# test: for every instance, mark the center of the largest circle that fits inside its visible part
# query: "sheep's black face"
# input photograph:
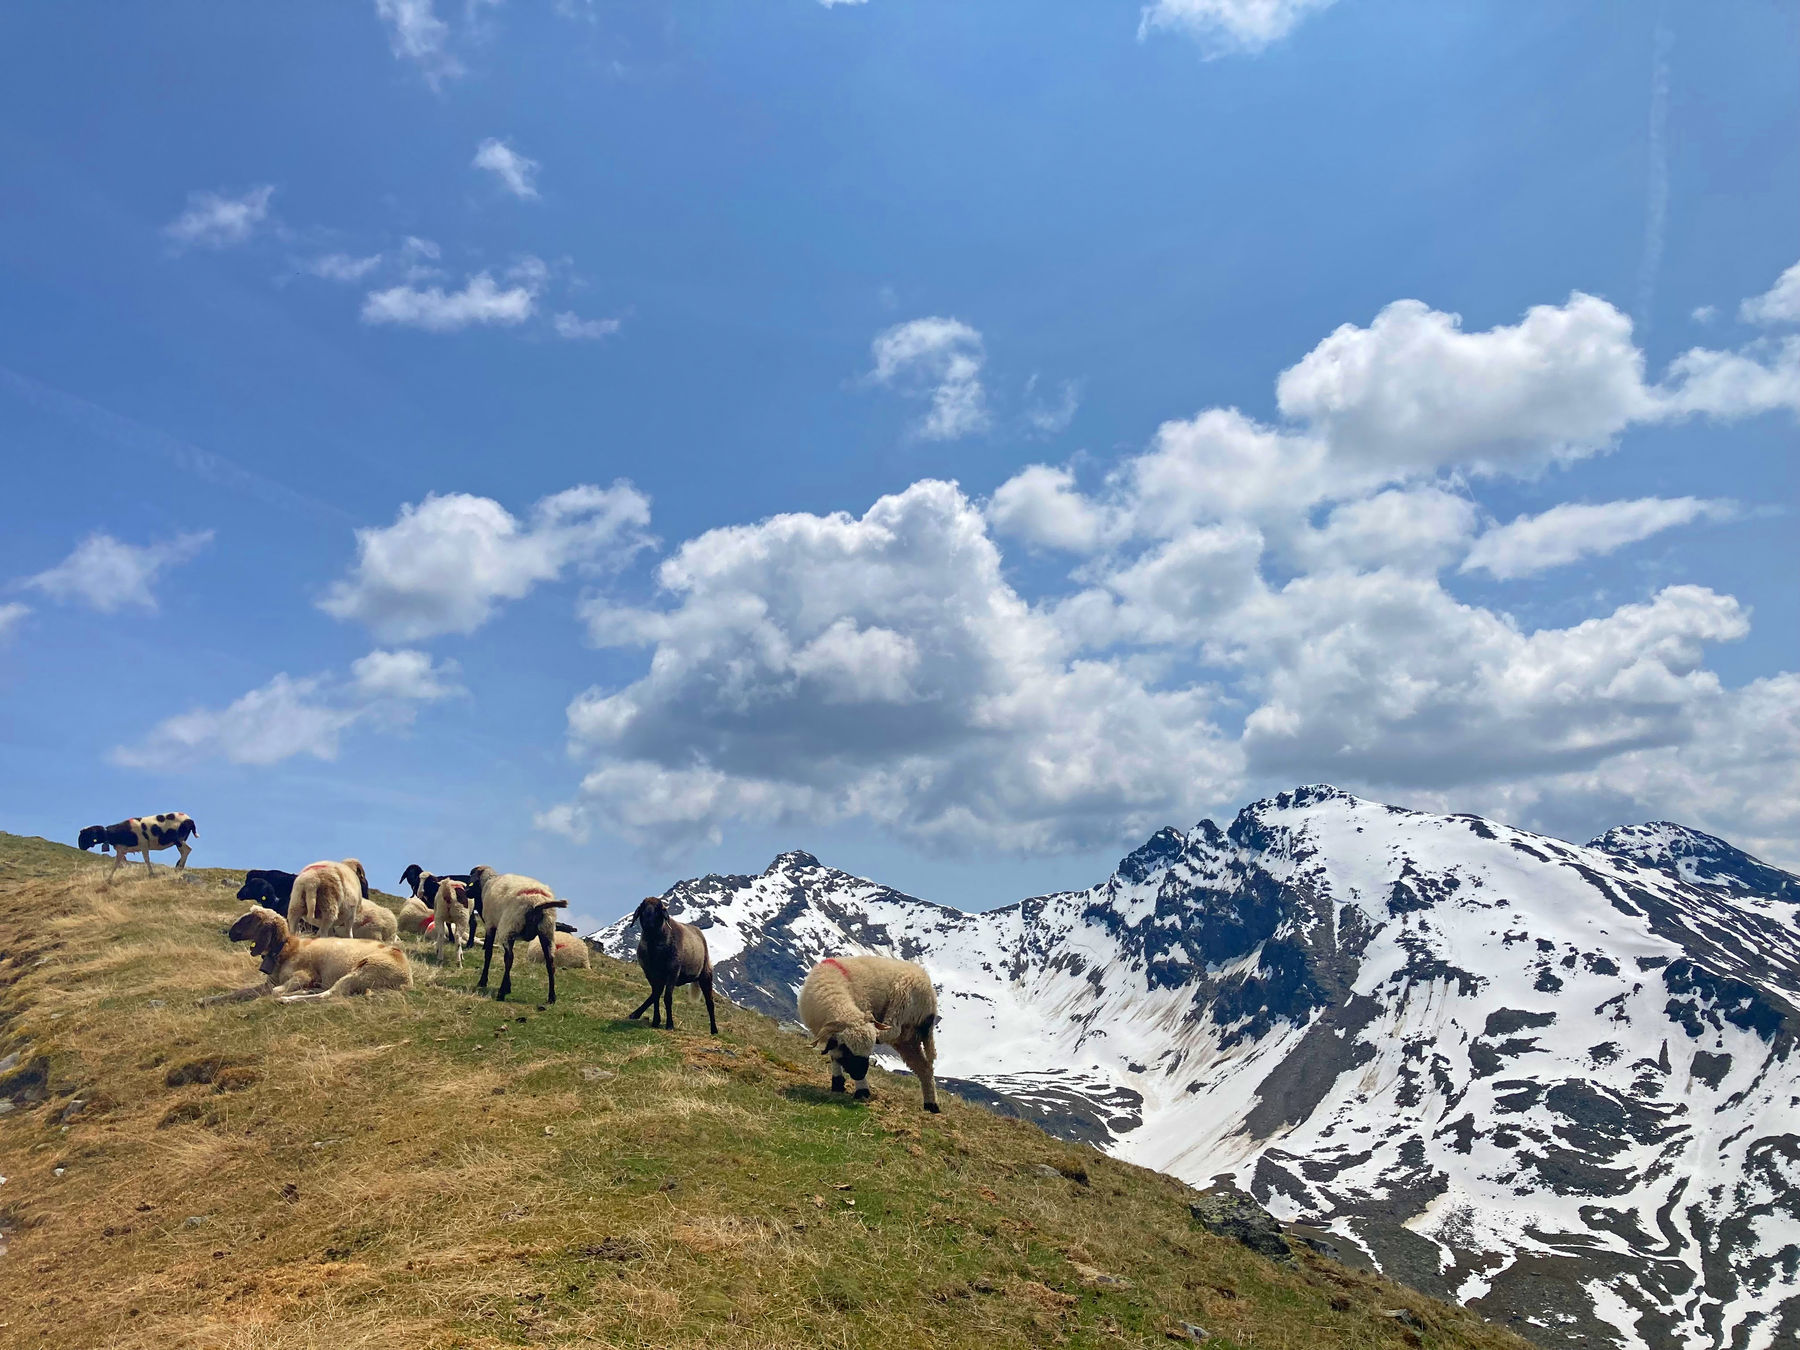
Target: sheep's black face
(410, 877)
(855, 1066)
(651, 917)
(92, 835)
(247, 927)
(254, 889)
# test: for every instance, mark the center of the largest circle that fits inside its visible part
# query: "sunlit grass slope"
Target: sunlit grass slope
(434, 1170)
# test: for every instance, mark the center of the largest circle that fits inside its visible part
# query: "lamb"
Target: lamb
(171, 829)
(424, 884)
(513, 907)
(326, 893)
(268, 887)
(298, 968)
(852, 1003)
(671, 953)
(452, 918)
(571, 952)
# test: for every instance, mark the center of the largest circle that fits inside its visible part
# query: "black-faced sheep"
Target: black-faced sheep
(852, 1003)
(513, 907)
(424, 884)
(268, 887)
(671, 954)
(327, 894)
(296, 968)
(171, 829)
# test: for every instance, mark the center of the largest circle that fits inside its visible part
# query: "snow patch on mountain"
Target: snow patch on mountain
(1554, 1082)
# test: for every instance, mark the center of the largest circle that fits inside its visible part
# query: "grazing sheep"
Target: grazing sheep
(571, 952)
(326, 893)
(851, 1003)
(374, 921)
(452, 918)
(171, 829)
(297, 968)
(269, 888)
(415, 916)
(513, 907)
(670, 954)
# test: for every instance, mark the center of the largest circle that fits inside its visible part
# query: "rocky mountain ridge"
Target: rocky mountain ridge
(1555, 1082)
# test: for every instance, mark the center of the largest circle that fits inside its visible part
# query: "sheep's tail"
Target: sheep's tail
(927, 1037)
(187, 829)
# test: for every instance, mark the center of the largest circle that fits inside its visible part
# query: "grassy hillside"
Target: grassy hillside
(436, 1170)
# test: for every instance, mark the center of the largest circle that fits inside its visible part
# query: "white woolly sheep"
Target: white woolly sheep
(297, 968)
(453, 918)
(376, 922)
(414, 915)
(571, 953)
(513, 907)
(326, 895)
(852, 1003)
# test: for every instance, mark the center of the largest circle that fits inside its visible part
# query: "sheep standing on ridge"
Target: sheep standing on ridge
(453, 918)
(670, 954)
(514, 907)
(852, 1003)
(171, 829)
(327, 894)
(296, 968)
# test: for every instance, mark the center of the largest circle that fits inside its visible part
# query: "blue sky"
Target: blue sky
(619, 441)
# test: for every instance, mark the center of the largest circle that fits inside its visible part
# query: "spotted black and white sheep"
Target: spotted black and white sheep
(327, 895)
(296, 968)
(852, 1003)
(268, 887)
(513, 907)
(671, 954)
(145, 834)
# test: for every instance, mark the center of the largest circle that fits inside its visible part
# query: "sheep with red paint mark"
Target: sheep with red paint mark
(328, 895)
(513, 907)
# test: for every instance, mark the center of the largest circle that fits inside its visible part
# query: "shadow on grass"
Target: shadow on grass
(818, 1096)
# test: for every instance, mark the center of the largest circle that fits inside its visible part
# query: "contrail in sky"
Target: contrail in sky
(1656, 205)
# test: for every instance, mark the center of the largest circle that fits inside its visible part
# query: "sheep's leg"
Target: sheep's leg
(647, 1004)
(669, 1003)
(837, 1076)
(861, 1086)
(243, 995)
(148, 869)
(185, 850)
(506, 972)
(487, 959)
(912, 1053)
(706, 991)
(548, 942)
(118, 861)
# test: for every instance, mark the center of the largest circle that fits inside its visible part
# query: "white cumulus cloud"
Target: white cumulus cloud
(1230, 26)
(288, 717)
(1576, 530)
(480, 301)
(109, 575)
(219, 220)
(517, 173)
(940, 360)
(447, 563)
(416, 34)
(1779, 304)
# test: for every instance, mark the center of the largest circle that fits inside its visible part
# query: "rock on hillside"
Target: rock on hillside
(1555, 1082)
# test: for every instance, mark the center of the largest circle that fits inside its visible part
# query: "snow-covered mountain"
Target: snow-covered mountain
(1557, 1083)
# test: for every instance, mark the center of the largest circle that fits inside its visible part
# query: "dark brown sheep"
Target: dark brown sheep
(671, 954)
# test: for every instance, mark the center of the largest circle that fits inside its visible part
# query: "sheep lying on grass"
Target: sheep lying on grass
(571, 952)
(514, 907)
(415, 914)
(452, 918)
(671, 954)
(376, 922)
(326, 894)
(298, 968)
(852, 1003)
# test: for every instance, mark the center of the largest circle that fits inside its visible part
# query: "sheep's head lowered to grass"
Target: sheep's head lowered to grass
(849, 1045)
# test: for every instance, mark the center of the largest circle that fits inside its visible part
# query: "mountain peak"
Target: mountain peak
(1697, 857)
(1154, 854)
(793, 859)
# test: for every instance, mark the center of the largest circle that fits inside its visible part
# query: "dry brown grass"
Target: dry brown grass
(432, 1170)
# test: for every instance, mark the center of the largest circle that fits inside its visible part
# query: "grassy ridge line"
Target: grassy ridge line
(431, 1169)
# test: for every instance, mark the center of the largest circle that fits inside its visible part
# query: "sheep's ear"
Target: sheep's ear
(880, 1026)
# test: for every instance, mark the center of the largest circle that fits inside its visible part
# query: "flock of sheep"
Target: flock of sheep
(850, 1004)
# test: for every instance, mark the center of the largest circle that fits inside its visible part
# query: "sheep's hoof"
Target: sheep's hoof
(933, 1107)
(837, 1085)
(863, 1094)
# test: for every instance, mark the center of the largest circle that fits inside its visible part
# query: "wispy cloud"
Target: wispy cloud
(1656, 191)
(1048, 417)
(1229, 27)
(940, 359)
(574, 327)
(10, 615)
(219, 220)
(416, 34)
(341, 266)
(1779, 304)
(518, 173)
(108, 575)
(1577, 530)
